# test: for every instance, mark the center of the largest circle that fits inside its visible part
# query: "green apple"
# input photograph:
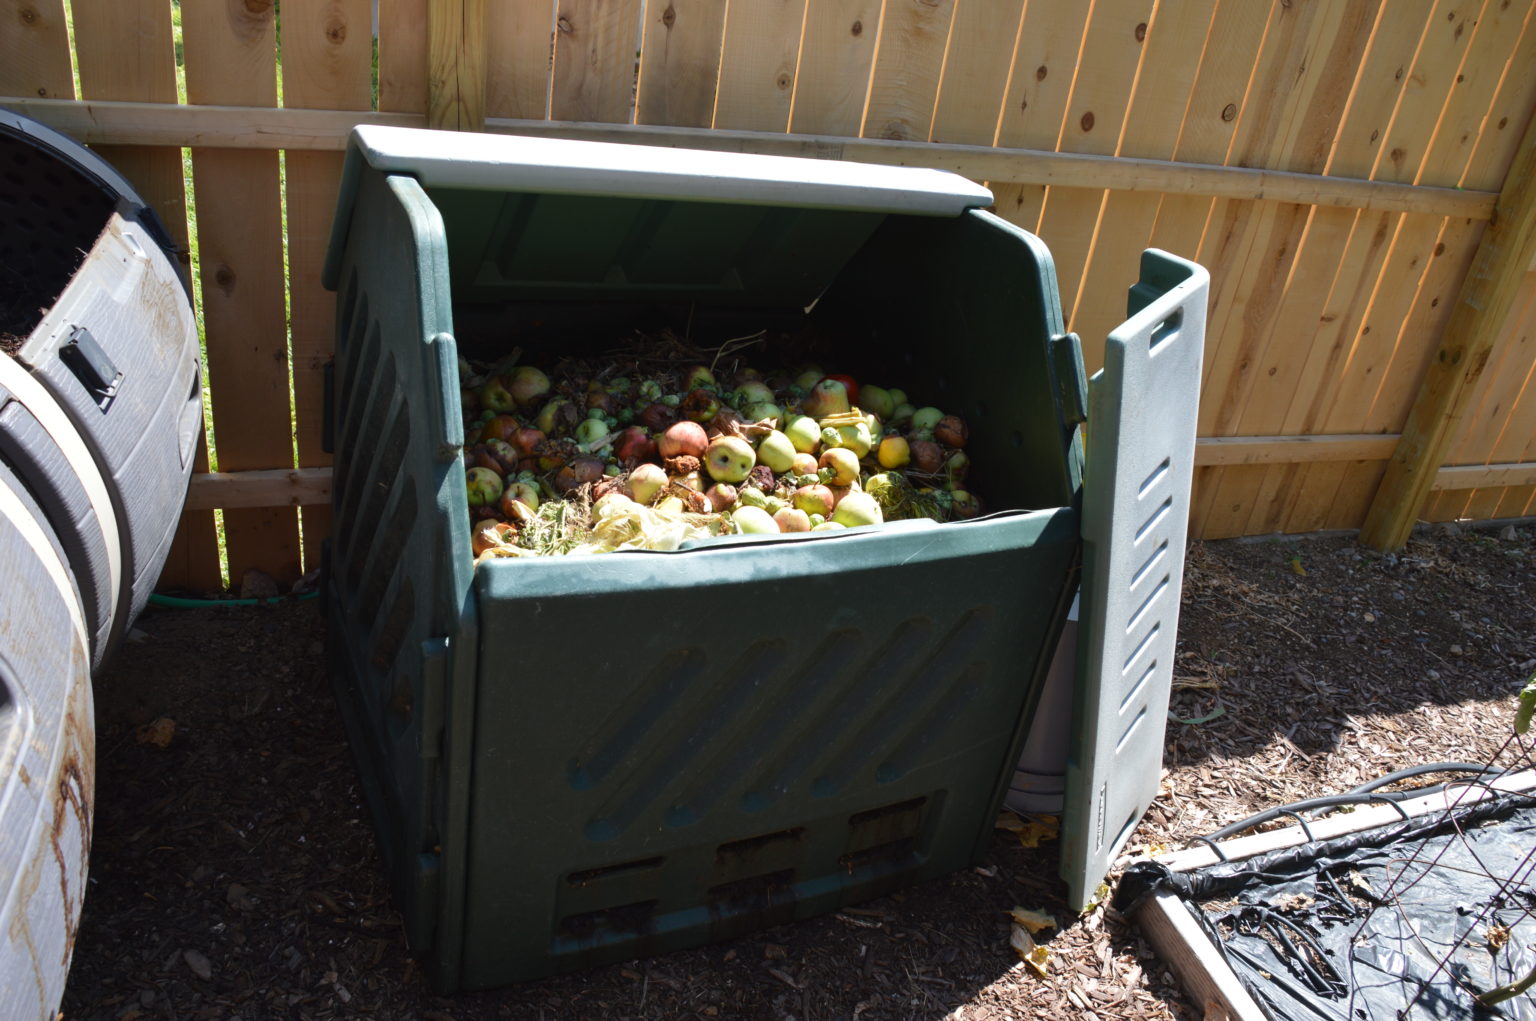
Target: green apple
(483, 487)
(729, 459)
(924, 420)
(804, 432)
(759, 410)
(754, 521)
(646, 481)
(791, 519)
(753, 392)
(877, 400)
(857, 508)
(828, 397)
(844, 464)
(527, 384)
(776, 451)
(590, 431)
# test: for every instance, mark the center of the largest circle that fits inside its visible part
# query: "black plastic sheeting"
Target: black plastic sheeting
(1385, 924)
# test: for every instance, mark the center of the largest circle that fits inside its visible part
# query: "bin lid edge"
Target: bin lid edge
(523, 163)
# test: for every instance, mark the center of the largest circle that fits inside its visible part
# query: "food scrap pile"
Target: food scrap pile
(657, 444)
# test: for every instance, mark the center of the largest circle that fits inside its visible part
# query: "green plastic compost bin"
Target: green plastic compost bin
(577, 760)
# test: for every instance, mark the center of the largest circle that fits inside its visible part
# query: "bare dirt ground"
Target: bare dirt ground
(234, 872)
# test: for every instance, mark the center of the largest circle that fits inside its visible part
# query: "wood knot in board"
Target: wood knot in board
(858, 28)
(1229, 111)
(225, 278)
(784, 80)
(1087, 121)
(27, 15)
(1398, 155)
(669, 16)
(336, 31)
(564, 25)
(1141, 32)
(1041, 72)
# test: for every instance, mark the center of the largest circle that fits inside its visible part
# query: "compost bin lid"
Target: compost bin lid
(552, 219)
(456, 159)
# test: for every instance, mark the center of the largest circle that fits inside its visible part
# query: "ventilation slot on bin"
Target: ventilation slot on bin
(883, 839)
(607, 925)
(588, 876)
(770, 894)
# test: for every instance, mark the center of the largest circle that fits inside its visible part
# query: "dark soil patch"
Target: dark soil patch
(234, 872)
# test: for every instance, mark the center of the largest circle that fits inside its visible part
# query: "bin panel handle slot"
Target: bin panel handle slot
(84, 357)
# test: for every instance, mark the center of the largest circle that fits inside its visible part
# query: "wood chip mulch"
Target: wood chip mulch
(234, 872)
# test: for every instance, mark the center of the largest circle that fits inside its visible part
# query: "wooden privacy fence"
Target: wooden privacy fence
(1334, 163)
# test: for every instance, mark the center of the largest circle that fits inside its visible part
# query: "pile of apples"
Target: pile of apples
(760, 455)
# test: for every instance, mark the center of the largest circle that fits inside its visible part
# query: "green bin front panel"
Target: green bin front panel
(674, 748)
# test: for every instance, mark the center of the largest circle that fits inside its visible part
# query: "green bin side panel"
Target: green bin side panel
(674, 748)
(397, 601)
(1141, 461)
(966, 312)
(516, 245)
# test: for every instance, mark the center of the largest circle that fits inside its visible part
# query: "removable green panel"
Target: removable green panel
(398, 570)
(680, 747)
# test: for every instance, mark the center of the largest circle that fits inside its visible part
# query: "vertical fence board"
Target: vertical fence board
(1357, 148)
(231, 58)
(1298, 264)
(34, 50)
(1251, 244)
(680, 62)
(1176, 37)
(1345, 332)
(1095, 115)
(760, 55)
(595, 44)
(1226, 66)
(913, 37)
(837, 54)
(520, 50)
(403, 55)
(327, 64)
(456, 64)
(1050, 40)
(126, 52)
(1491, 432)
(982, 37)
(1436, 251)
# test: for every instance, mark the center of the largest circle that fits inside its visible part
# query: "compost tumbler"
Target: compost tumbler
(100, 413)
(566, 769)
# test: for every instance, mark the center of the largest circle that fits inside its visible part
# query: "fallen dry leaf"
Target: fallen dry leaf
(158, 733)
(1031, 953)
(1038, 829)
(1033, 919)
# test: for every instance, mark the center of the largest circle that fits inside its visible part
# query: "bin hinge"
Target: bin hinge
(1071, 379)
(450, 442)
(434, 672)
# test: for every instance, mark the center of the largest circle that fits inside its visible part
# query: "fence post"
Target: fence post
(456, 64)
(1487, 295)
